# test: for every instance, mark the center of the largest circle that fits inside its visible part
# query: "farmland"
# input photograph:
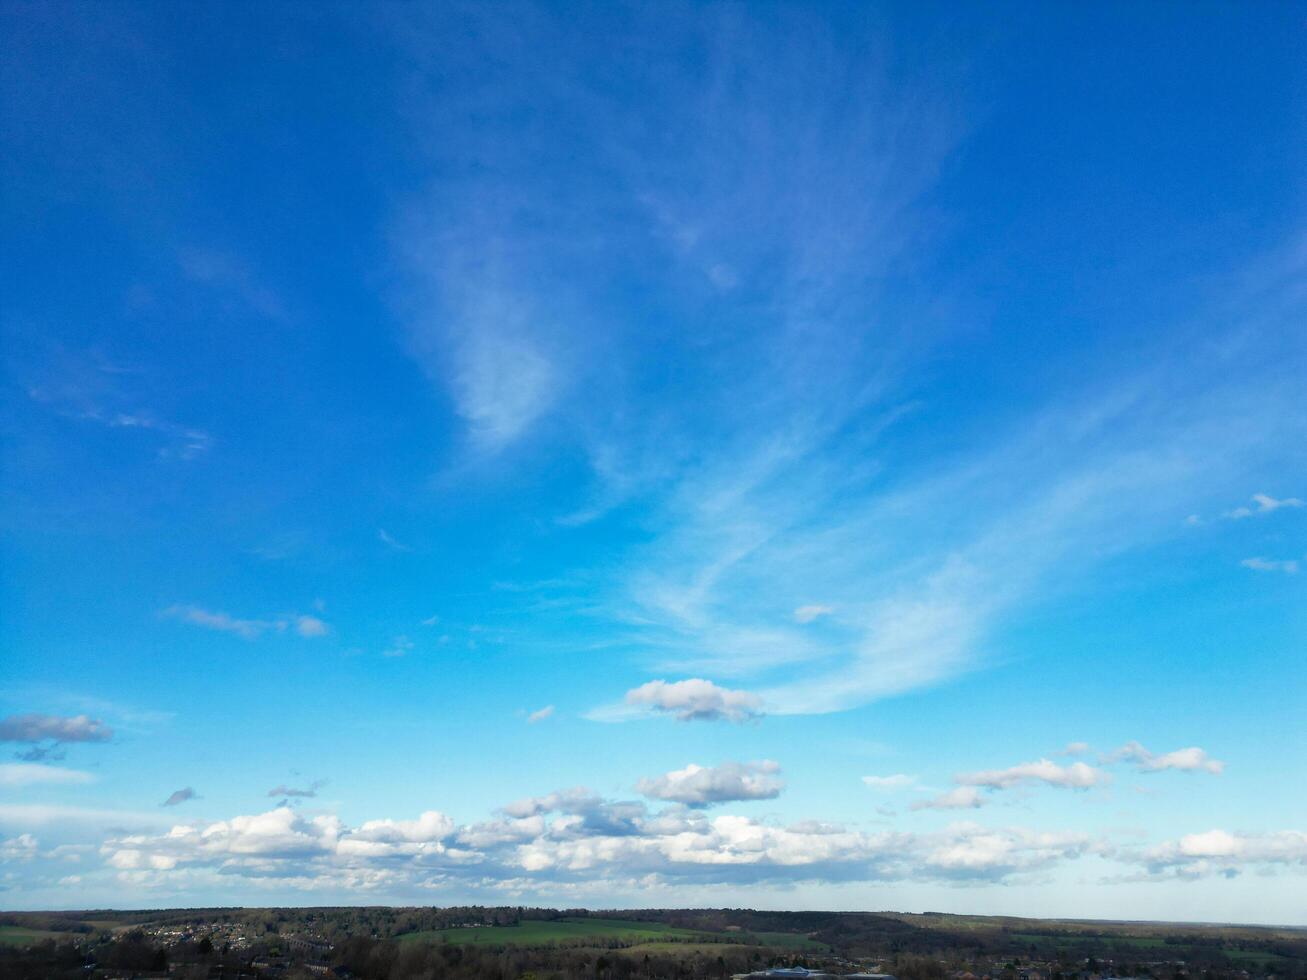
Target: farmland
(22, 936)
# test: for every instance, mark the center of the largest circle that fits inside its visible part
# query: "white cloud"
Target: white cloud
(55, 728)
(1225, 852)
(502, 384)
(696, 699)
(1289, 565)
(574, 837)
(311, 626)
(1077, 775)
(972, 849)
(1263, 504)
(1191, 759)
(701, 786)
(961, 798)
(806, 614)
(14, 775)
(890, 783)
(385, 538)
(1075, 748)
(246, 629)
(20, 848)
(540, 714)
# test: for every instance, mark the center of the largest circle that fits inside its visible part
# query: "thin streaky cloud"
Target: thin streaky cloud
(1288, 566)
(54, 728)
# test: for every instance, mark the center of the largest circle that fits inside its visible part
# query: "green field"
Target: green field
(22, 936)
(545, 932)
(1253, 955)
(683, 948)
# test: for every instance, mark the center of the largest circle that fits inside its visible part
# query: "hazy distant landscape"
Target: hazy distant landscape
(512, 942)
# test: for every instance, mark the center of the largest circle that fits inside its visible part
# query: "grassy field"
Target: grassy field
(684, 948)
(21, 936)
(548, 932)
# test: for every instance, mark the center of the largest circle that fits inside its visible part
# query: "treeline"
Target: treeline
(383, 960)
(51, 960)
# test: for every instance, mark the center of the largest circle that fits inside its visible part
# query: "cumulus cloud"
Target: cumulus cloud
(961, 798)
(696, 699)
(701, 786)
(1288, 565)
(806, 614)
(540, 714)
(573, 836)
(20, 848)
(574, 800)
(1224, 852)
(1078, 775)
(889, 783)
(179, 796)
(1075, 748)
(1263, 503)
(1192, 759)
(17, 774)
(54, 728)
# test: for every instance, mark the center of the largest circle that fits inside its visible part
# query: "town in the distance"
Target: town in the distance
(515, 943)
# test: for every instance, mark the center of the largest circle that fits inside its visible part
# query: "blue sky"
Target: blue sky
(836, 456)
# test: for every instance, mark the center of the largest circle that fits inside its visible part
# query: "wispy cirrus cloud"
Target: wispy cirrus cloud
(1263, 503)
(306, 626)
(389, 541)
(15, 775)
(90, 387)
(1289, 566)
(808, 614)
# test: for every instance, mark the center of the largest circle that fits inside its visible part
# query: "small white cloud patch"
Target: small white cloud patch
(806, 614)
(701, 786)
(696, 699)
